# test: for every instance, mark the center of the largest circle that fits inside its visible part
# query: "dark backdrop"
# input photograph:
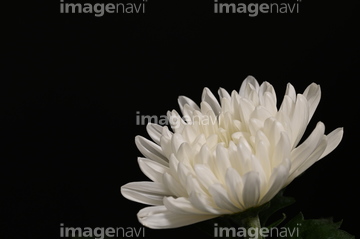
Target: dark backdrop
(74, 82)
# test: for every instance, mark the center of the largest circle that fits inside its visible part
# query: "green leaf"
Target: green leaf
(316, 228)
(278, 222)
(278, 202)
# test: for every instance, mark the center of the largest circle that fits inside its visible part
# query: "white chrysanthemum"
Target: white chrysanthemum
(223, 158)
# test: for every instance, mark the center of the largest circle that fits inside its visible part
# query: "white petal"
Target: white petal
(267, 97)
(183, 100)
(185, 155)
(234, 157)
(205, 203)
(193, 185)
(189, 134)
(314, 156)
(225, 120)
(303, 151)
(176, 141)
(333, 140)
(285, 121)
(222, 162)
(182, 173)
(173, 165)
(225, 105)
(251, 191)
(203, 156)
(173, 185)
(263, 152)
(235, 106)
(158, 217)
(165, 141)
(152, 169)
(299, 119)
(273, 130)
(175, 120)
(287, 106)
(290, 92)
(223, 93)
(188, 113)
(254, 126)
(261, 113)
(150, 150)
(270, 103)
(145, 192)
(235, 187)
(154, 131)
(313, 94)
(244, 157)
(253, 96)
(205, 175)
(281, 151)
(212, 141)
(246, 107)
(276, 183)
(221, 199)
(205, 107)
(266, 87)
(310, 160)
(250, 83)
(256, 166)
(209, 98)
(181, 205)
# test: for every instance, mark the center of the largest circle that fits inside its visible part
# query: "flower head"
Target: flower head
(226, 157)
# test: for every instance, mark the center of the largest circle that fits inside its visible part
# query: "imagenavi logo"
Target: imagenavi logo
(254, 9)
(99, 9)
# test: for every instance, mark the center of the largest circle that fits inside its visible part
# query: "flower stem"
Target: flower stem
(252, 225)
(241, 225)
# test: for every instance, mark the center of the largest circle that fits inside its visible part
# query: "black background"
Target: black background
(74, 82)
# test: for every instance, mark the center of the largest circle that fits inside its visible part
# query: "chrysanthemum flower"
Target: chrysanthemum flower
(227, 157)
